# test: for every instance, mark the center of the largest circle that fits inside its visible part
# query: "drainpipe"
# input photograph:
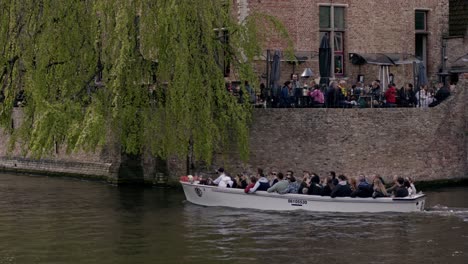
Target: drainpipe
(444, 62)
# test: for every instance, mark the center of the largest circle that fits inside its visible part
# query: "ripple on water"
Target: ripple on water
(49, 220)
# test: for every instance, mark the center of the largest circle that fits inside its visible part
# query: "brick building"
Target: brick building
(456, 43)
(412, 27)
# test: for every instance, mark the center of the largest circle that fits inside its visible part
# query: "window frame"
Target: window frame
(331, 34)
(425, 12)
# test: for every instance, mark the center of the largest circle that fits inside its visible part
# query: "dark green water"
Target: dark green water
(59, 220)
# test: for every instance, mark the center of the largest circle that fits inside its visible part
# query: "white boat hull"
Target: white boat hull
(213, 196)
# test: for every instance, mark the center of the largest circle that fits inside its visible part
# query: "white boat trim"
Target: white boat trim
(213, 196)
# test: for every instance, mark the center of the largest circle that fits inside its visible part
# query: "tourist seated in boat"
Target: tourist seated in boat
(314, 187)
(294, 185)
(303, 189)
(411, 188)
(253, 181)
(353, 184)
(334, 179)
(262, 183)
(342, 189)
(401, 190)
(379, 189)
(240, 181)
(223, 181)
(327, 186)
(394, 186)
(273, 178)
(364, 189)
(281, 186)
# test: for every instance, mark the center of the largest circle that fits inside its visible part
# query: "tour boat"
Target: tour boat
(230, 197)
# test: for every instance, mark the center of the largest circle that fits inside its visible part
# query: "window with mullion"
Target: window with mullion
(339, 53)
(335, 27)
(420, 21)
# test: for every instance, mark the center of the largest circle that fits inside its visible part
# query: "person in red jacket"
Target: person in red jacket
(390, 96)
(253, 180)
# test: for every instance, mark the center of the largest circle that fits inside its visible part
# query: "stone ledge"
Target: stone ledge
(99, 171)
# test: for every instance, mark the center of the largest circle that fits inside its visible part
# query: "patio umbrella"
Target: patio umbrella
(275, 73)
(422, 77)
(324, 60)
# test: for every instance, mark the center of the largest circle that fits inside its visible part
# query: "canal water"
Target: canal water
(61, 220)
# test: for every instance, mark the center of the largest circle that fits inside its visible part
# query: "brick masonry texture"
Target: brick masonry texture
(384, 26)
(458, 21)
(427, 144)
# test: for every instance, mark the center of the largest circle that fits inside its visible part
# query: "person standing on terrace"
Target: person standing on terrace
(284, 98)
(390, 96)
(296, 89)
(423, 96)
(407, 96)
(441, 94)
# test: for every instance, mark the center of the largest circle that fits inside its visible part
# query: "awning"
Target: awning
(382, 58)
(402, 58)
(462, 61)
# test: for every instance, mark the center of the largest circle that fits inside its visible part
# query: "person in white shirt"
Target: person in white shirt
(223, 181)
(410, 186)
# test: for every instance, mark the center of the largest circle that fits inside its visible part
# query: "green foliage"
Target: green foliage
(146, 70)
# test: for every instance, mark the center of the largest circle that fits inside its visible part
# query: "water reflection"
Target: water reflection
(305, 237)
(54, 220)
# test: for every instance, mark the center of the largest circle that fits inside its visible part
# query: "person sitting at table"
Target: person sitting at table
(318, 99)
(359, 89)
(407, 96)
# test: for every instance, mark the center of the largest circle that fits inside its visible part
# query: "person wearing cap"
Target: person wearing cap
(223, 181)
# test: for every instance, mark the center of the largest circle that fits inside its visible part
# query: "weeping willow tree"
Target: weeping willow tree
(149, 71)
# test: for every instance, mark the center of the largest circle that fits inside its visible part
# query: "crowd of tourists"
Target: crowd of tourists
(312, 184)
(340, 94)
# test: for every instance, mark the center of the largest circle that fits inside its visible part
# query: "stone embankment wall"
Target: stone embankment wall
(106, 163)
(425, 143)
(428, 144)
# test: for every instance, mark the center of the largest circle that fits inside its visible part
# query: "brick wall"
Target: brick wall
(106, 163)
(456, 47)
(428, 144)
(385, 26)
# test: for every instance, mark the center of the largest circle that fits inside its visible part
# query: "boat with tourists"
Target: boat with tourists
(207, 195)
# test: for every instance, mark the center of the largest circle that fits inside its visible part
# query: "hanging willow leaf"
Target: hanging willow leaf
(148, 71)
